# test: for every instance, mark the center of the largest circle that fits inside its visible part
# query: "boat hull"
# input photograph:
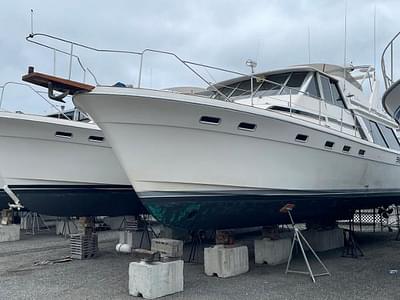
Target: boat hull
(230, 210)
(56, 167)
(79, 200)
(193, 174)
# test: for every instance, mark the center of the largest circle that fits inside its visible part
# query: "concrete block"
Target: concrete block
(226, 261)
(272, 252)
(323, 240)
(66, 227)
(167, 247)
(157, 279)
(9, 233)
(135, 239)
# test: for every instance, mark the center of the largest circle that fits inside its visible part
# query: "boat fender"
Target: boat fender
(123, 248)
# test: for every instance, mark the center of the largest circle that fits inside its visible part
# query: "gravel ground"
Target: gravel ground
(106, 277)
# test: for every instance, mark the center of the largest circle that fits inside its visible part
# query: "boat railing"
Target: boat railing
(37, 92)
(213, 87)
(388, 65)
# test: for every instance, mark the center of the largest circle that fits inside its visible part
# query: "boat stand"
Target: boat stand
(351, 247)
(35, 223)
(300, 239)
(197, 238)
(66, 228)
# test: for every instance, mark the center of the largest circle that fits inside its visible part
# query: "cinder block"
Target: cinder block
(9, 233)
(323, 240)
(226, 261)
(167, 247)
(136, 239)
(157, 279)
(272, 252)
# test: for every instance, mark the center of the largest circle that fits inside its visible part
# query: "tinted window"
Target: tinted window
(313, 89)
(390, 137)
(295, 82)
(269, 88)
(337, 99)
(376, 134)
(326, 89)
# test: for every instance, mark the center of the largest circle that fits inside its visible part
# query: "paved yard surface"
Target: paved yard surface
(106, 277)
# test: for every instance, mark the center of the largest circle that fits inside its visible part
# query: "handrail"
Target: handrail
(6, 84)
(388, 80)
(187, 63)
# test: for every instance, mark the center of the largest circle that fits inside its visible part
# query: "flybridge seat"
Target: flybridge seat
(53, 83)
(391, 101)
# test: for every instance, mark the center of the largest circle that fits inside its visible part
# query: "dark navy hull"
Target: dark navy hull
(4, 200)
(79, 200)
(222, 210)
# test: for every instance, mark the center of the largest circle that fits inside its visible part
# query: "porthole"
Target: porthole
(247, 126)
(63, 134)
(210, 120)
(361, 152)
(329, 144)
(301, 138)
(346, 149)
(95, 138)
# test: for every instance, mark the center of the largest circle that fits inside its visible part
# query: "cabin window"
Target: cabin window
(301, 138)
(326, 89)
(313, 88)
(247, 126)
(376, 134)
(337, 98)
(273, 86)
(346, 149)
(210, 120)
(294, 83)
(390, 137)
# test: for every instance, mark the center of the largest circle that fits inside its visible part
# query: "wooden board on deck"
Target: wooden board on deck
(58, 83)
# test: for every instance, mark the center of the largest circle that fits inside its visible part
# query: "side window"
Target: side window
(376, 134)
(313, 88)
(326, 89)
(337, 98)
(295, 82)
(390, 137)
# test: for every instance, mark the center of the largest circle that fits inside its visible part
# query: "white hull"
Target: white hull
(167, 153)
(36, 154)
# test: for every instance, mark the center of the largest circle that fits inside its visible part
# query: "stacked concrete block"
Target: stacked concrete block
(157, 279)
(323, 240)
(226, 261)
(167, 247)
(9, 233)
(272, 252)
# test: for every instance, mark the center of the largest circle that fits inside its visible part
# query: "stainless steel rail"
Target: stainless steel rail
(388, 78)
(39, 93)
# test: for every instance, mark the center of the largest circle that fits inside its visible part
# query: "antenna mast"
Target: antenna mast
(309, 45)
(375, 41)
(345, 45)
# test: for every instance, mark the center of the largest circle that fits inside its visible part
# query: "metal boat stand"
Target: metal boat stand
(66, 228)
(299, 239)
(197, 239)
(34, 223)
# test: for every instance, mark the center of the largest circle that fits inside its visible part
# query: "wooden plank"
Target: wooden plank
(59, 84)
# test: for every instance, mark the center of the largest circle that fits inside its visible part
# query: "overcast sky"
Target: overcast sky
(221, 33)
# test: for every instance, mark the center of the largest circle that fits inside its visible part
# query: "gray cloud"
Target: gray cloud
(222, 33)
